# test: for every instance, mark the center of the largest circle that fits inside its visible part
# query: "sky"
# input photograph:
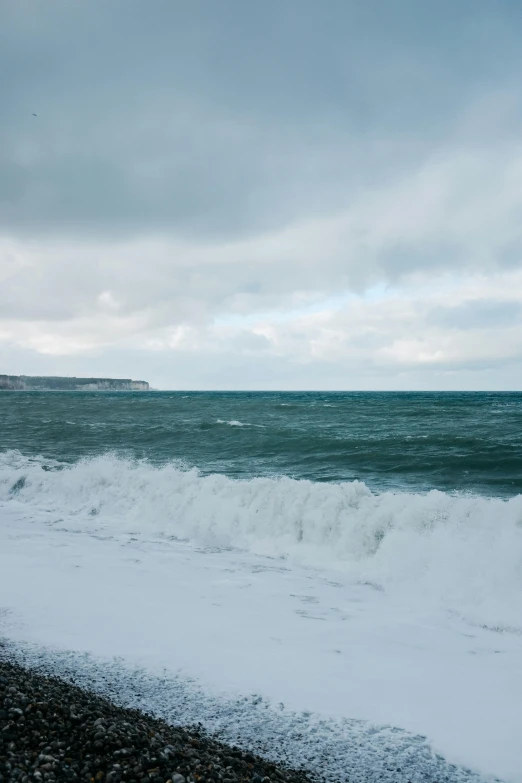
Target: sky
(290, 194)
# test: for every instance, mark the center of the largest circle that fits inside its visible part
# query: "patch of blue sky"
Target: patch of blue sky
(318, 305)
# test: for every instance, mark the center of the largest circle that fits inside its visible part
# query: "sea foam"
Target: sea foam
(460, 552)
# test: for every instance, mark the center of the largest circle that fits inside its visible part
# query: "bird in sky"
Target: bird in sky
(35, 115)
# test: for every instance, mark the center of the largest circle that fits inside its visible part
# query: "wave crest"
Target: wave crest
(462, 552)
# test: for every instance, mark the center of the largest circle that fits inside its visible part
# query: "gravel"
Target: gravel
(51, 730)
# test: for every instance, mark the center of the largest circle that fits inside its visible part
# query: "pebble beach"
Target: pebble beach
(53, 731)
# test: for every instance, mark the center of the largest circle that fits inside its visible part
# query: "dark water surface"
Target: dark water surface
(447, 441)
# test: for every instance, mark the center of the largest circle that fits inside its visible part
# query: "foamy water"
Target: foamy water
(461, 553)
(334, 579)
(319, 612)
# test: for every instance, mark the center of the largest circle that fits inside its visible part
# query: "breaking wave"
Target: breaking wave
(236, 423)
(461, 552)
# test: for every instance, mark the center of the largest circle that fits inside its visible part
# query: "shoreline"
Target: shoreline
(52, 730)
(159, 715)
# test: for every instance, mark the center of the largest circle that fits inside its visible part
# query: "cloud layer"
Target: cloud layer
(258, 196)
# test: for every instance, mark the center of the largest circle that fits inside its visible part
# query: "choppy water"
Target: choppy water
(421, 441)
(351, 550)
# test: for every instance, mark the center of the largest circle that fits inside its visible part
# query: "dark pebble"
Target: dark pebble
(52, 731)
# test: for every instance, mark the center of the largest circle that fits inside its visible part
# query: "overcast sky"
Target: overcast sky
(287, 194)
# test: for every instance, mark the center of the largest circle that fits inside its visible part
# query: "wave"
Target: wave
(462, 553)
(236, 423)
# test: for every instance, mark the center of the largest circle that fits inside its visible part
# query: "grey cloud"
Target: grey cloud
(193, 162)
(477, 314)
(202, 118)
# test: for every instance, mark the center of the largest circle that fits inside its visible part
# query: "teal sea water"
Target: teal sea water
(350, 554)
(468, 442)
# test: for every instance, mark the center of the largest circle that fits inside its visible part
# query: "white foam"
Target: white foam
(208, 629)
(236, 423)
(461, 553)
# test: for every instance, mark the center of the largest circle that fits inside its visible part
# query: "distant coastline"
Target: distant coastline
(58, 383)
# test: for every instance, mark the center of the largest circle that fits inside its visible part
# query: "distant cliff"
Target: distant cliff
(53, 382)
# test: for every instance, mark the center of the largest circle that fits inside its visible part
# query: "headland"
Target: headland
(58, 383)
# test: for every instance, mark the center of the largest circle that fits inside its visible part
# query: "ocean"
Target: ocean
(418, 441)
(335, 578)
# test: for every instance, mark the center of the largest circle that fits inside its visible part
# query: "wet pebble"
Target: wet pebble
(52, 731)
